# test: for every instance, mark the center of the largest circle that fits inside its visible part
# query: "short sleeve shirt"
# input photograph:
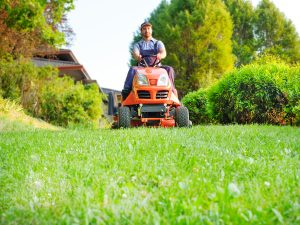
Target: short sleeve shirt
(147, 45)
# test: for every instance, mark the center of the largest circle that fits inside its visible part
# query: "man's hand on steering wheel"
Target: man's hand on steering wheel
(140, 58)
(155, 63)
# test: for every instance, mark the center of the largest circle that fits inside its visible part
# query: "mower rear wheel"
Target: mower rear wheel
(124, 117)
(182, 117)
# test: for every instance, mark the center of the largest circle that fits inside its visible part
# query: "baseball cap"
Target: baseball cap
(146, 23)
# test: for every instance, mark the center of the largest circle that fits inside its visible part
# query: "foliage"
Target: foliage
(13, 118)
(263, 30)
(64, 103)
(31, 25)
(22, 81)
(257, 94)
(196, 102)
(15, 77)
(275, 33)
(200, 175)
(243, 39)
(287, 77)
(266, 91)
(197, 36)
(44, 95)
(7, 106)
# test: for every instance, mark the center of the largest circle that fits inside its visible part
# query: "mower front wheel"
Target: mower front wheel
(124, 117)
(182, 117)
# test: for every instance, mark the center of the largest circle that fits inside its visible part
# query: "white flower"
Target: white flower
(35, 199)
(287, 151)
(222, 175)
(38, 184)
(233, 190)
(183, 185)
(267, 184)
(250, 160)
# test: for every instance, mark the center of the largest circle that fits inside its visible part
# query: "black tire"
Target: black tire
(182, 117)
(124, 117)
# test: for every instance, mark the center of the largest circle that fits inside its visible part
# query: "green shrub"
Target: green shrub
(196, 102)
(257, 94)
(289, 82)
(14, 77)
(9, 106)
(64, 103)
(287, 76)
(21, 81)
(44, 95)
(248, 95)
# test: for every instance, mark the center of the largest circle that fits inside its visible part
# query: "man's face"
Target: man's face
(146, 31)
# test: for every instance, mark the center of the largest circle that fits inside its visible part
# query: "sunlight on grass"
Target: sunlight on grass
(13, 118)
(201, 175)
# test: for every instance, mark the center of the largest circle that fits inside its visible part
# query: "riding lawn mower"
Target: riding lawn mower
(153, 101)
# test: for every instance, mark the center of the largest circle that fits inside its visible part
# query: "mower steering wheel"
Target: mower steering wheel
(145, 64)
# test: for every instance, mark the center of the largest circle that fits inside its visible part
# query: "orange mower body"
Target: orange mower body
(153, 101)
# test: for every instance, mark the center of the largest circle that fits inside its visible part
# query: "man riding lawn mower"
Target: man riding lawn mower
(151, 101)
(149, 96)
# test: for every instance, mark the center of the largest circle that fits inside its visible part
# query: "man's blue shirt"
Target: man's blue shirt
(148, 45)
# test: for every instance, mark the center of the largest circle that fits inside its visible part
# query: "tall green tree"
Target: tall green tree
(244, 44)
(197, 36)
(26, 25)
(275, 33)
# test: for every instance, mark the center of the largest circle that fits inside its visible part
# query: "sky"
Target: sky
(104, 30)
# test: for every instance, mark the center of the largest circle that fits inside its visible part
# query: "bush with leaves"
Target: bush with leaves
(289, 82)
(257, 93)
(21, 81)
(287, 76)
(43, 94)
(13, 77)
(196, 102)
(65, 104)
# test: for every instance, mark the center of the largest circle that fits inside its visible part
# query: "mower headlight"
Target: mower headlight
(142, 80)
(163, 80)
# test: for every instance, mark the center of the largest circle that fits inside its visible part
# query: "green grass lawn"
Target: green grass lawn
(201, 175)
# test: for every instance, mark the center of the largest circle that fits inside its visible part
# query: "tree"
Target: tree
(197, 36)
(264, 30)
(275, 33)
(243, 16)
(27, 25)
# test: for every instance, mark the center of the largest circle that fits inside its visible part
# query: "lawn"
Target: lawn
(200, 175)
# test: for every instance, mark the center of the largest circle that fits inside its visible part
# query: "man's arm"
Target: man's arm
(162, 53)
(136, 53)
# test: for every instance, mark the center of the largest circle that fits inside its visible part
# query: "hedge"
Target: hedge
(196, 102)
(44, 95)
(64, 103)
(257, 93)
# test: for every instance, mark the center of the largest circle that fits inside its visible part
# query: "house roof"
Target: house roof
(65, 61)
(61, 55)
